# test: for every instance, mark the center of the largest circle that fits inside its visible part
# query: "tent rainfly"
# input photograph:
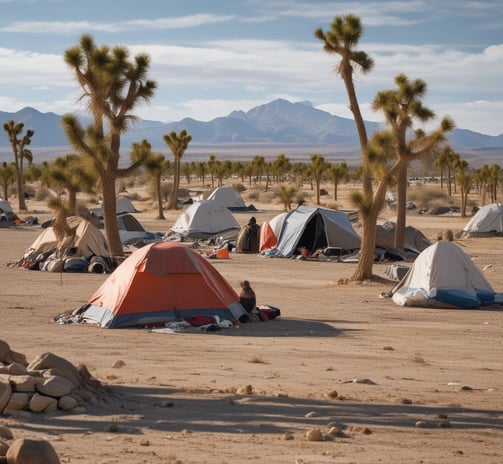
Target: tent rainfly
(158, 283)
(312, 228)
(444, 276)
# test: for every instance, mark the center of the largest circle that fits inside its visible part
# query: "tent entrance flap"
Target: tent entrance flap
(314, 235)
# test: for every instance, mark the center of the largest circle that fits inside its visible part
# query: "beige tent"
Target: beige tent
(86, 241)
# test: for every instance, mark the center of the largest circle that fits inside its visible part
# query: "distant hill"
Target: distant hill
(276, 127)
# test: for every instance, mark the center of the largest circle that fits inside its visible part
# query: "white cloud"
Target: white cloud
(58, 27)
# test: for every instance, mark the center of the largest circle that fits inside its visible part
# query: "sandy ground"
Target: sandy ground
(175, 400)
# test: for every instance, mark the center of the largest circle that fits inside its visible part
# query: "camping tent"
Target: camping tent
(314, 228)
(5, 205)
(415, 240)
(443, 276)
(125, 205)
(86, 242)
(131, 230)
(161, 282)
(204, 219)
(230, 198)
(270, 230)
(488, 220)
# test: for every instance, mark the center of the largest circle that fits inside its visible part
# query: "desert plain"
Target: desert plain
(404, 385)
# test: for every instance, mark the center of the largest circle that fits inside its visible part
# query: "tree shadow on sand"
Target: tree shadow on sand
(135, 408)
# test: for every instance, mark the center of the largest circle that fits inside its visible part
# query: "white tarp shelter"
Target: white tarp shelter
(488, 220)
(443, 276)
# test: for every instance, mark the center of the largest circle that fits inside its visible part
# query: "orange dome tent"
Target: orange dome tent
(161, 282)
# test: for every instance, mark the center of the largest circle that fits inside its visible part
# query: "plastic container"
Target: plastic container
(222, 253)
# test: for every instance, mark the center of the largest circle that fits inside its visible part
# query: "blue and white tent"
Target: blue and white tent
(444, 276)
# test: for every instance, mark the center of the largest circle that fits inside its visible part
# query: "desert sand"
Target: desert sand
(410, 385)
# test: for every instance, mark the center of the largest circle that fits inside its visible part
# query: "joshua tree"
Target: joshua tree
(341, 39)
(286, 195)
(318, 167)
(112, 85)
(72, 174)
(18, 142)
(178, 144)
(338, 172)
(401, 107)
(7, 177)
(156, 166)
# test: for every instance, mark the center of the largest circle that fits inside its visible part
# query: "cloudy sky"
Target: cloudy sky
(210, 57)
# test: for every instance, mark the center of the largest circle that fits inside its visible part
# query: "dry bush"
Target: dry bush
(428, 196)
(43, 194)
(253, 193)
(332, 205)
(239, 187)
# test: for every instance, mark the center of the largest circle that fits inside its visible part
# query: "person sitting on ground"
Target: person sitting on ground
(249, 238)
(247, 297)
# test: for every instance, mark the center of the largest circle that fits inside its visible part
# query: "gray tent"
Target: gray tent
(315, 228)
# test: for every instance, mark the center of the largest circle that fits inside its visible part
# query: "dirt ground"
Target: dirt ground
(338, 354)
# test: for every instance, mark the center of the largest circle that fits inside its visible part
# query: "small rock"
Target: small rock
(314, 435)
(246, 390)
(6, 433)
(364, 381)
(118, 364)
(288, 436)
(311, 414)
(332, 394)
(421, 424)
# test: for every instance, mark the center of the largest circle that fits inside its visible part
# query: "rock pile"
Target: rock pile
(46, 384)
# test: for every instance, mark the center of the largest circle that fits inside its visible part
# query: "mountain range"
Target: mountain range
(296, 129)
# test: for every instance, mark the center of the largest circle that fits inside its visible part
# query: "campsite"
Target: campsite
(379, 381)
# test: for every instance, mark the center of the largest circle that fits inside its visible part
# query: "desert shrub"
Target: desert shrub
(43, 194)
(331, 205)
(239, 187)
(323, 192)
(428, 196)
(253, 194)
(166, 188)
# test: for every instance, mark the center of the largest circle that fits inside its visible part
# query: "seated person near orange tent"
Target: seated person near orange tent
(247, 296)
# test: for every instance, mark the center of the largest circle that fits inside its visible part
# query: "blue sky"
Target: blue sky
(212, 57)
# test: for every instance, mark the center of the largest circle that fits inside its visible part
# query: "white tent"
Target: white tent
(204, 219)
(314, 228)
(443, 276)
(228, 197)
(488, 220)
